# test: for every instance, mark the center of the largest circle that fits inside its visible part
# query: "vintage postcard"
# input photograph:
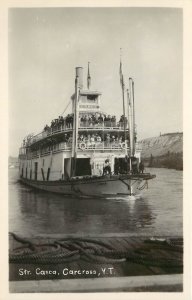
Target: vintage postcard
(95, 150)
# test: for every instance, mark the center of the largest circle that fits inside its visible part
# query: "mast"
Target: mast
(130, 122)
(124, 125)
(130, 127)
(133, 97)
(132, 115)
(78, 85)
(123, 97)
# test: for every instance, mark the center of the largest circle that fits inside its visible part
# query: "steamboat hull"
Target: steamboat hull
(101, 187)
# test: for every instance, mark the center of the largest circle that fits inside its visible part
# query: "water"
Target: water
(157, 211)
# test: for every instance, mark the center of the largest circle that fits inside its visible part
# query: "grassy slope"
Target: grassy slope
(163, 151)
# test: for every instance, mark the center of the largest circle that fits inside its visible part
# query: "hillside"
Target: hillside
(164, 151)
(161, 145)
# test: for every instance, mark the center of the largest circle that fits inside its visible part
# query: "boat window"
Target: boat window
(92, 98)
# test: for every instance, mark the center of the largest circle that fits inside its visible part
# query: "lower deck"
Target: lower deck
(60, 165)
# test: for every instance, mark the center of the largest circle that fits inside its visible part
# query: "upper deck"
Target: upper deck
(92, 136)
(87, 127)
(55, 131)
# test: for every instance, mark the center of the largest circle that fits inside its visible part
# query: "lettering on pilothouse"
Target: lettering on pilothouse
(88, 106)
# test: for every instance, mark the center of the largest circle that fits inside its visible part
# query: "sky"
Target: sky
(46, 44)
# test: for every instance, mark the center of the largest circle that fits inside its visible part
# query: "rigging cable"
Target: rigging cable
(66, 107)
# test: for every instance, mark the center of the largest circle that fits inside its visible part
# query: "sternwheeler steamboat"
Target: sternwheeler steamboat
(87, 152)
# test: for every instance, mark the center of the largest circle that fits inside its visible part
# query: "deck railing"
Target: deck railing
(96, 146)
(104, 124)
(82, 146)
(101, 146)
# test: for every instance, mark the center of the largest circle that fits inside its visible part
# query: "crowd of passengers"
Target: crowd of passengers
(98, 138)
(90, 139)
(97, 118)
(87, 120)
(60, 122)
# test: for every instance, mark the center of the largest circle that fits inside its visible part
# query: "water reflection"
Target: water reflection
(57, 214)
(35, 212)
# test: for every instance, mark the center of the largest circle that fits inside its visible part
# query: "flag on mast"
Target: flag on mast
(121, 73)
(88, 78)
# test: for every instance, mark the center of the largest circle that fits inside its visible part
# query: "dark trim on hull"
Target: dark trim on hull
(146, 176)
(73, 189)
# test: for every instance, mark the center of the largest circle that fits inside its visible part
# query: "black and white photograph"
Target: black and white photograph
(95, 150)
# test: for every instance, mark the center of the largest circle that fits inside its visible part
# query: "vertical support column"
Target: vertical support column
(63, 165)
(78, 85)
(133, 113)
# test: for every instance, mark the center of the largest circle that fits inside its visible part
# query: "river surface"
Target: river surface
(158, 211)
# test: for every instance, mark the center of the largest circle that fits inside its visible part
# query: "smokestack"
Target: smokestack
(79, 74)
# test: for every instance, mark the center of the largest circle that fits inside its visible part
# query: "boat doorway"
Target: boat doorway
(83, 166)
(121, 165)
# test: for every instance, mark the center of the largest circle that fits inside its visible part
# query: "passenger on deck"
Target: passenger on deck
(107, 168)
(113, 139)
(100, 118)
(98, 138)
(141, 167)
(134, 165)
(46, 127)
(61, 120)
(123, 120)
(66, 137)
(69, 120)
(113, 120)
(92, 140)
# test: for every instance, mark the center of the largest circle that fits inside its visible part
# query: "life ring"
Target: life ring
(122, 145)
(82, 146)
